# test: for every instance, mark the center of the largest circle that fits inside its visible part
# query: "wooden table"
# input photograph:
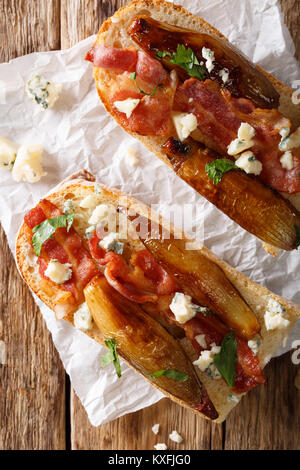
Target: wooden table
(38, 409)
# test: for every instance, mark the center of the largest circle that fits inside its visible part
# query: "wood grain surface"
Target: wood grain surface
(35, 410)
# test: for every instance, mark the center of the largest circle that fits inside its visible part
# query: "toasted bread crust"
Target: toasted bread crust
(113, 33)
(255, 295)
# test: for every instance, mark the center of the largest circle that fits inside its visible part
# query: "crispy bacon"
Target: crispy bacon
(152, 115)
(35, 217)
(130, 283)
(150, 70)
(145, 119)
(98, 253)
(66, 247)
(215, 119)
(219, 117)
(248, 371)
(112, 58)
(153, 271)
(140, 282)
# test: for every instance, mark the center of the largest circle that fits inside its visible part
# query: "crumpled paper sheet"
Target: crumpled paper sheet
(78, 133)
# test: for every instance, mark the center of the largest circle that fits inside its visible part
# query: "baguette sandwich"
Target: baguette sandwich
(197, 329)
(224, 125)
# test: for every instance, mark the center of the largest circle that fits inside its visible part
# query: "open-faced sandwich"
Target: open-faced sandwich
(224, 125)
(196, 328)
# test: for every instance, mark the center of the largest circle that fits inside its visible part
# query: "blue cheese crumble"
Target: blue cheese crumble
(83, 319)
(275, 316)
(111, 243)
(209, 57)
(182, 307)
(205, 361)
(8, 153)
(43, 92)
(254, 345)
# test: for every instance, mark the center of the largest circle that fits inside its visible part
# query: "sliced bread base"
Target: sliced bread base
(255, 295)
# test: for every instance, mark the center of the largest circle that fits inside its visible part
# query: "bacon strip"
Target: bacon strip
(150, 70)
(153, 271)
(152, 115)
(66, 247)
(248, 371)
(130, 283)
(112, 58)
(219, 117)
(140, 282)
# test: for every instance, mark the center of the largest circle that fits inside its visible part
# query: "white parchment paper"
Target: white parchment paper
(78, 133)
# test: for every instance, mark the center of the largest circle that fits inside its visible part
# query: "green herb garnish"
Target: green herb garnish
(186, 59)
(297, 236)
(225, 361)
(111, 356)
(133, 77)
(216, 169)
(45, 230)
(171, 374)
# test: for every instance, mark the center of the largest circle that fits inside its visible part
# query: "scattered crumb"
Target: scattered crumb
(272, 250)
(155, 428)
(175, 437)
(233, 398)
(160, 446)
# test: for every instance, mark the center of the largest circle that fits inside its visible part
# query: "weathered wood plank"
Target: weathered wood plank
(134, 431)
(78, 20)
(82, 18)
(291, 10)
(32, 382)
(32, 405)
(268, 417)
(28, 26)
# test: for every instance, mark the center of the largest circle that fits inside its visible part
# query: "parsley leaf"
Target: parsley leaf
(297, 236)
(171, 374)
(216, 169)
(45, 230)
(111, 356)
(225, 361)
(133, 77)
(186, 59)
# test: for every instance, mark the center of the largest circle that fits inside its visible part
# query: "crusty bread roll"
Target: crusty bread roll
(81, 185)
(114, 33)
